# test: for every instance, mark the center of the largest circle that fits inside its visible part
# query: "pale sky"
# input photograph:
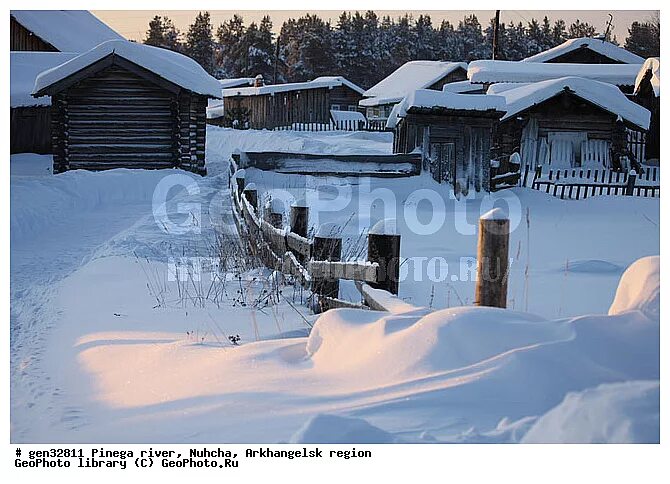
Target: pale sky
(133, 24)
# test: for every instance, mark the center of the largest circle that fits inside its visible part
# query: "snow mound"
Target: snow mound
(24, 68)
(600, 46)
(640, 288)
(592, 266)
(612, 413)
(333, 429)
(385, 226)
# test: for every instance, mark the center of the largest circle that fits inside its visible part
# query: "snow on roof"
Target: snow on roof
(429, 99)
(413, 75)
(602, 47)
(24, 68)
(172, 66)
(214, 108)
(344, 116)
(504, 86)
(493, 71)
(654, 64)
(319, 82)
(604, 95)
(379, 101)
(235, 82)
(461, 87)
(66, 30)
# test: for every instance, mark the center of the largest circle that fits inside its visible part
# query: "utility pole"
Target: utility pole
(496, 34)
(274, 78)
(609, 27)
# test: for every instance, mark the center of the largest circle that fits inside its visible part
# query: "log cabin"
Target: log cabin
(270, 106)
(586, 50)
(41, 40)
(648, 94)
(128, 105)
(568, 122)
(380, 99)
(453, 131)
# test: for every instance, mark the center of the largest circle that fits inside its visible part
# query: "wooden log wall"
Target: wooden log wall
(30, 130)
(115, 118)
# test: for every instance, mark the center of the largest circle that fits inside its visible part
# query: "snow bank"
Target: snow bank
(24, 69)
(66, 30)
(495, 71)
(640, 288)
(600, 46)
(413, 75)
(604, 95)
(612, 413)
(176, 68)
(333, 429)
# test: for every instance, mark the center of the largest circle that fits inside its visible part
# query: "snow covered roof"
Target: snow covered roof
(235, 82)
(430, 99)
(24, 68)
(346, 116)
(413, 75)
(66, 30)
(319, 82)
(600, 46)
(604, 95)
(504, 86)
(494, 71)
(172, 66)
(214, 108)
(654, 64)
(461, 87)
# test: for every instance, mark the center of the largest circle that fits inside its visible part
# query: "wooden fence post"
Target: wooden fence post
(492, 259)
(252, 196)
(326, 247)
(630, 184)
(239, 179)
(299, 218)
(384, 249)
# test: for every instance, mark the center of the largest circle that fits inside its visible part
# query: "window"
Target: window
(335, 107)
(352, 108)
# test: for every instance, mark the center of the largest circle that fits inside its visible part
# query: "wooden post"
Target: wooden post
(252, 195)
(492, 259)
(299, 218)
(496, 35)
(630, 184)
(384, 249)
(240, 184)
(326, 247)
(276, 219)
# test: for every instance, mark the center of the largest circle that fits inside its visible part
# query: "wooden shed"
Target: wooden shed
(453, 131)
(128, 105)
(586, 50)
(270, 106)
(411, 76)
(568, 122)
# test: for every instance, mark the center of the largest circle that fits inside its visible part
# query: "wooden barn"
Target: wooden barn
(586, 50)
(454, 133)
(411, 76)
(648, 94)
(270, 106)
(568, 122)
(128, 105)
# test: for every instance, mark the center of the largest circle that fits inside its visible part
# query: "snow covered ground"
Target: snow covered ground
(105, 348)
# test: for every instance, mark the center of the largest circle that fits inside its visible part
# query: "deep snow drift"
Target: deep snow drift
(105, 349)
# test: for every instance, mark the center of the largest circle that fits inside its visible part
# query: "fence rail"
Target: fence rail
(577, 183)
(315, 263)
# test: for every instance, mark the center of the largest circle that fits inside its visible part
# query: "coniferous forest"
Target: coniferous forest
(364, 47)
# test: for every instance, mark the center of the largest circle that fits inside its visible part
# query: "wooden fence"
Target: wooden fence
(345, 125)
(315, 263)
(579, 183)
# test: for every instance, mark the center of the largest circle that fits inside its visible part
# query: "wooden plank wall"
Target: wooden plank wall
(30, 130)
(22, 39)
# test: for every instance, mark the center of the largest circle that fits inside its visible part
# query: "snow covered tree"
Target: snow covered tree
(472, 42)
(644, 38)
(199, 42)
(579, 29)
(256, 50)
(447, 42)
(163, 33)
(559, 33)
(229, 36)
(425, 38)
(306, 48)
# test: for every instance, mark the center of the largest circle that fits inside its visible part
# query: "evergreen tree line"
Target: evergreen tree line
(365, 48)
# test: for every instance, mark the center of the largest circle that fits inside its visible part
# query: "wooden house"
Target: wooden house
(215, 113)
(568, 122)
(648, 94)
(586, 50)
(41, 40)
(128, 105)
(411, 76)
(270, 106)
(453, 131)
